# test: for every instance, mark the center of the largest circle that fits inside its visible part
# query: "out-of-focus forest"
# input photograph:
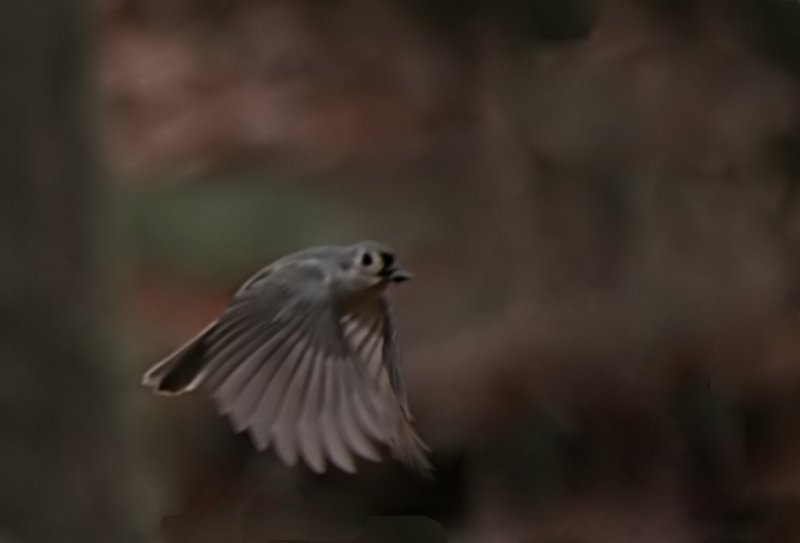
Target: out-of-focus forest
(597, 198)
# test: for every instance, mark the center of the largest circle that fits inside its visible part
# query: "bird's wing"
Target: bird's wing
(370, 333)
(391, 356)
(290, 370)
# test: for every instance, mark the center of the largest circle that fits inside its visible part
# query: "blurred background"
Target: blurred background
(598, 199)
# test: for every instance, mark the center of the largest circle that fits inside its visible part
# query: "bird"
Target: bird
(305, 359)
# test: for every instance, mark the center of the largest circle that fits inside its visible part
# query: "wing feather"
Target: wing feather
(284, 429)
(264, 415)
(348, 416)
(245, 385)
(331, 438)
(224, 358)
(308, 432)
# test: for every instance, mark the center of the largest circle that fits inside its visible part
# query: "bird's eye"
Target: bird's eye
(371, 262)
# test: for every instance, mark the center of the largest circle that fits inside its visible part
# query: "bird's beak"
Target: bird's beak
(396, 275)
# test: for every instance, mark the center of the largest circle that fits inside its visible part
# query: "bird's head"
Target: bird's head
(369, 264)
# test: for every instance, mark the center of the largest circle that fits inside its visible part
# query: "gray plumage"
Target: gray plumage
(305, 359)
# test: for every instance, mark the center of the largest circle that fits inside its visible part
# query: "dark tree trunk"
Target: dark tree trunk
(59, 458)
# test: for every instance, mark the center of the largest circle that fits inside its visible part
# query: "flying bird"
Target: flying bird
(305, 359)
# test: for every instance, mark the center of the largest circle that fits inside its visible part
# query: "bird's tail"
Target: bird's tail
(409, 449)
(182, 370)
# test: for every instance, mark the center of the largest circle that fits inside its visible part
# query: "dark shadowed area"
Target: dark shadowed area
(597, 198)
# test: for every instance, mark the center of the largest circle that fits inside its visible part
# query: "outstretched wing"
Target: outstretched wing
(297, 375)
(370, 335)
